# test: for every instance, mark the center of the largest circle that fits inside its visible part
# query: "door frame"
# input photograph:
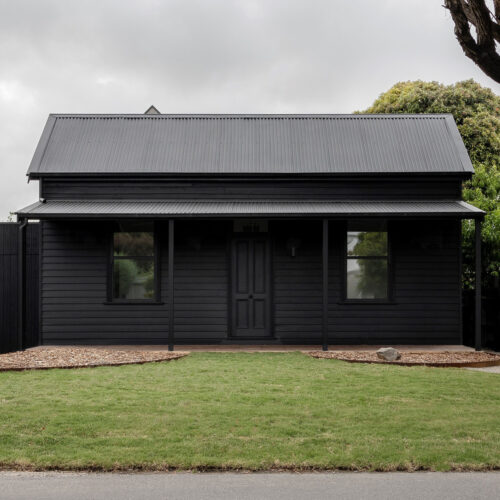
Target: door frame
(269, 281)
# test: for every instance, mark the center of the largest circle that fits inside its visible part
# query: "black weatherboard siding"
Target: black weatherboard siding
(201, 281)
(426, 291)
(74, 291)
(74, 287)
(324, 188)
(424, 277)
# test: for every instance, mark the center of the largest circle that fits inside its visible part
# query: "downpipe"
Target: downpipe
(21, 276)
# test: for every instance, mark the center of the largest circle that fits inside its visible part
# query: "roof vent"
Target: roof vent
(152, 111)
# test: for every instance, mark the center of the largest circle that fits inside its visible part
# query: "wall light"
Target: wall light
(292, 244)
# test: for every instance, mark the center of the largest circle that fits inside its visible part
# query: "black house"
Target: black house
(305, 229)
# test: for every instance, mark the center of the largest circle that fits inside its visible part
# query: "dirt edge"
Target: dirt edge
(174, 357)
(465, 364)
(94, 468)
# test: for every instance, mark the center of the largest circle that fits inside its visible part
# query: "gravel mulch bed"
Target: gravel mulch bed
(438, 359)
(69, 357)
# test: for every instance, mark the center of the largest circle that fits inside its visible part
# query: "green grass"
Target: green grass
(250, 411)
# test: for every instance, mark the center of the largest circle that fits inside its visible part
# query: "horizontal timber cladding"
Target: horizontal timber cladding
(75, 259)
(424, 262)
(424, 268)
(426, 287)
(74, 290)
(386, 188)
(201, 280)
(297, 281)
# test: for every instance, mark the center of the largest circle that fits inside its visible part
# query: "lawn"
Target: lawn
(250, 411)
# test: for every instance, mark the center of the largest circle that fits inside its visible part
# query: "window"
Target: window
(133, 263)
(367, 262)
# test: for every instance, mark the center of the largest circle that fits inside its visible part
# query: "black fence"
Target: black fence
(9, 291)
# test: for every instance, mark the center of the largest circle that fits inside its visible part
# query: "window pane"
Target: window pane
(367, 243)
(133, 279)
(133, 244)
(366, 279)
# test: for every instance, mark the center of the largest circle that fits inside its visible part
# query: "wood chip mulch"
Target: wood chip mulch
(70, 357)
(438, 359)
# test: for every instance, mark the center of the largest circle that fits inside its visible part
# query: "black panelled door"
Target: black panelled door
(251, 287)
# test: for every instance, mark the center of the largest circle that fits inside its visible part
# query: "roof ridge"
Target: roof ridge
(269, 116)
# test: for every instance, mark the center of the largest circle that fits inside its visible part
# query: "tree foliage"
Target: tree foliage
(370, 244)
(477, 113)
(125, 272)
(373, 272)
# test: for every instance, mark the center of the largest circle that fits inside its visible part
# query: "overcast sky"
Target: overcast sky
(207, 56)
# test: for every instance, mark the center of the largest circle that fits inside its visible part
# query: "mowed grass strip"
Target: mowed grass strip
(250, 411)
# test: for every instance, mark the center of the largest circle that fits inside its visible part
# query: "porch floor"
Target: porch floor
(271, 348)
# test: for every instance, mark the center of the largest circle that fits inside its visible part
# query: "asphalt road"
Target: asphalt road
(276, 486)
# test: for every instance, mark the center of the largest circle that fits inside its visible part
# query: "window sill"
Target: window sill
(134, 303)
(366, 302)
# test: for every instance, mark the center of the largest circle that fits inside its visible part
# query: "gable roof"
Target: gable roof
(152, 110)
(249, 144)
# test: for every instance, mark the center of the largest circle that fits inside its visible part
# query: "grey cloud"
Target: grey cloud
(207, 56)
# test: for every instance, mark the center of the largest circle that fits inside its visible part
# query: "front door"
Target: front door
(251, 306)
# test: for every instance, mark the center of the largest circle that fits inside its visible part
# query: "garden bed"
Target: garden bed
(79, 357)
(437, 359)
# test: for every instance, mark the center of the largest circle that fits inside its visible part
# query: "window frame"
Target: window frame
(156, 300)
(389, 299)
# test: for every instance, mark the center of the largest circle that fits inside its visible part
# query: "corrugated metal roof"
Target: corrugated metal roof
(246, 208)
(249, 144)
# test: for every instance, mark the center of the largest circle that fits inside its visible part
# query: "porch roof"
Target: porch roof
(187, 208)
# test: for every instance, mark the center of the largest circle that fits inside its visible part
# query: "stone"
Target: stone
(388, 354)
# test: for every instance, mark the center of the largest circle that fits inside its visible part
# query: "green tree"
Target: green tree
(373, 275)
(149, 282)
(125, 271)
(476, 111)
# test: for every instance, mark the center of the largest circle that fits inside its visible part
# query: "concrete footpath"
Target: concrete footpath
(276, 486)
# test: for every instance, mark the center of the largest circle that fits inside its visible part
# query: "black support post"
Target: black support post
(171, 318)
(21, 276)
(325, 286)
(477, 316)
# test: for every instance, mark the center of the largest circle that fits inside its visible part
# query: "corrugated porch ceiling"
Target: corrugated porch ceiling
(183, 209)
